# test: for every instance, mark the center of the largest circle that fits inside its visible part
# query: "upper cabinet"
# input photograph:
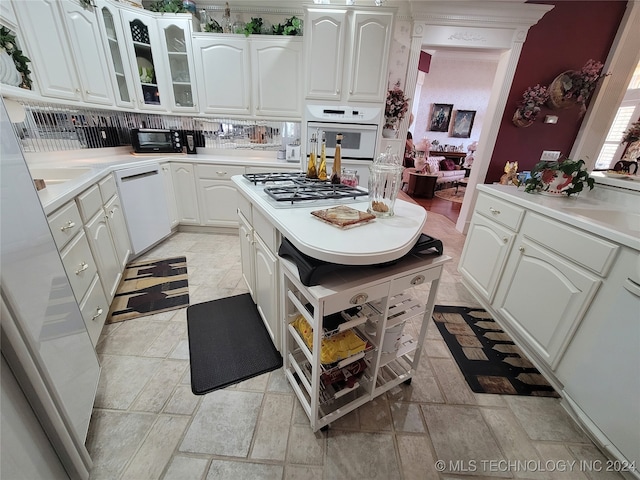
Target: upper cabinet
(277, 76)
(113, 39)
(178, 63)
(224, 73)
(67, 56)
(143, 46)
(249, 76)
(358, 76)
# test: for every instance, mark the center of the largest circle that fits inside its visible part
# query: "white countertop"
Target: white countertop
(586, 211)
(379, 241)
(101, 162)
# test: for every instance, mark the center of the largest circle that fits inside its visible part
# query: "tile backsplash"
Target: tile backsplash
(49, 128)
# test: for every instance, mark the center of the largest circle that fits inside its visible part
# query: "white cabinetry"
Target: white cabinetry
(65, 30)
(115, 219)
(259, 241)
(223, 73)
(277, 76)
(489, 241)
(88, 51)
(217, 195)
(118, 64)
(184, 183)
(357, 76)
(80, 266)
(144, 49)
(541, 288)
(379, 298)
(261, 76)
(178, 62)
(167, 178)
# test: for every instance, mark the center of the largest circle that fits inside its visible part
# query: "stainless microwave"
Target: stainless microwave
(156, 140)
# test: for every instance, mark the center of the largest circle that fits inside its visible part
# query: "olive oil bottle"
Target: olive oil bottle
(337, 160)
(322, 169)
(312, 172)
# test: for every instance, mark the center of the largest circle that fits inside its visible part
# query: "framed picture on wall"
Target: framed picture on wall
(463, 123)
(440, 117)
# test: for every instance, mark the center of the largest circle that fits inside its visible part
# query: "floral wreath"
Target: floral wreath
(8, 43)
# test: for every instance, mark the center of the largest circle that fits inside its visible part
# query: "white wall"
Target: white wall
(463, 79)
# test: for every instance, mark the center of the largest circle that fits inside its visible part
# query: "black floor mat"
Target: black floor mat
(228, 343)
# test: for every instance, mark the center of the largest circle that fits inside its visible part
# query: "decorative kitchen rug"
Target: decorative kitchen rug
(149, 287)
(451, 195)
(228, 343)
(488, 358)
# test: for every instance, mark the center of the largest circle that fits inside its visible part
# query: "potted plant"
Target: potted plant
(532, 99)
(575, 87)
(395, 109)
(564, 177)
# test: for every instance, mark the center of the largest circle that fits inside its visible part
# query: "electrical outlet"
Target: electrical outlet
(550, 155)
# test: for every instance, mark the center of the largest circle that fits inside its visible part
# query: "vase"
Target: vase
(389, 132)
(520, 121)
(557, 100)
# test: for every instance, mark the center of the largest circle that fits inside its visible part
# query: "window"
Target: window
(628, 112)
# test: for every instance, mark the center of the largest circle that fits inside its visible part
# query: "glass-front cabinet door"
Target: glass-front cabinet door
(113, 36)
(143, 44)
(176, 34)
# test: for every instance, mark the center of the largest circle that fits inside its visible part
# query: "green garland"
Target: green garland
(8, 43)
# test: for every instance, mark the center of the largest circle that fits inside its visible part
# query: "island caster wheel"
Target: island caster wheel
(408, 381)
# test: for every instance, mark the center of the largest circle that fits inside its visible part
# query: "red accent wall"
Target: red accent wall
(564, 39)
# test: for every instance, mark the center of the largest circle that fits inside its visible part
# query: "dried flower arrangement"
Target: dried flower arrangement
(532, 99)
(396, 106)
(575, 87)
(632, 134)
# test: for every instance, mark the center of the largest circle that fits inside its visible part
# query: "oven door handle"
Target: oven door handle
(342, 126)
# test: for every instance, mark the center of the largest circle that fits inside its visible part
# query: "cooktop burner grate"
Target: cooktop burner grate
(313, 191)
(280, 177)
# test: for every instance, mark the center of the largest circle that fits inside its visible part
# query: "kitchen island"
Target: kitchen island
(370, 305)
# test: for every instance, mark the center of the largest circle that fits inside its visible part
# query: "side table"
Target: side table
(422, 185)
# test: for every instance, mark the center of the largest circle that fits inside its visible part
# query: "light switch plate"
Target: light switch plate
(550, 155)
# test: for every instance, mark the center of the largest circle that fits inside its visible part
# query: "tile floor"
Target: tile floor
(148, 425)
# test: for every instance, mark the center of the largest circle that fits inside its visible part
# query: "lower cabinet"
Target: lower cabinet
(266, 296)
(94, 308)
(118, 228)
(104, 253)
(167, 178)
(217, 195)
(184, 183)
(245, 232)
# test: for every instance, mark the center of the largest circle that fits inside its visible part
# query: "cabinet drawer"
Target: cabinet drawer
(352, 297)
(590, 251)
(65, 223)
(94, 310)
(244, 206)
(90, 202)
(79, 265)
(107, 188)
(266, 230)
(500, 211)
(219, 172)
(399, 285)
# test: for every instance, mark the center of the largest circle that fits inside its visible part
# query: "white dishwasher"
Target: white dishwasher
(144, 203)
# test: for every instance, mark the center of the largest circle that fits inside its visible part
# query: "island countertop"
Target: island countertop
(382, 240)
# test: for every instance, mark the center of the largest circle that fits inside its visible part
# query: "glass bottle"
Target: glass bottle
(227, 27)
(337, 167)
(313, 152)
(385, 178)
(322, 169)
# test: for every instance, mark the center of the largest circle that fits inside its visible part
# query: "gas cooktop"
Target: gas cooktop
(294, 187)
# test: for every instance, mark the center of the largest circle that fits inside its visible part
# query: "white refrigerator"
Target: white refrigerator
(44, 339)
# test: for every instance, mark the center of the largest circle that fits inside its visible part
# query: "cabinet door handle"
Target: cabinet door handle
(98, 313)
(521, 249)
(505, 239)
(417, 280)
(83, 267)
(494, 211)
(68, 225)
(221, 173)
(359, 298)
